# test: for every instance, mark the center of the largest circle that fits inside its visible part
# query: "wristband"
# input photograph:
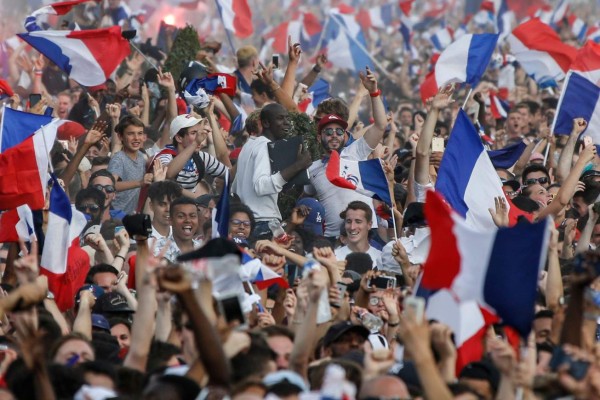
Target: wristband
(120, 256)
(390, 325)
(317, 69)
(375, 93)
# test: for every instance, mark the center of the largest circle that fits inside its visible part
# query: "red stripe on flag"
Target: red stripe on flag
(443, 262)
(8, 226)
(20, 177)
(242, 22)
(333, 172)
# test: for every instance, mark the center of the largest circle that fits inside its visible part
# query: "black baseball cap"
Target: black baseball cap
(112, 303)
(337, 330)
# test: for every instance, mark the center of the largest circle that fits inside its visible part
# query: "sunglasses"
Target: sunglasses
(532, 181)
(375, 301)
(90, 207)
(331, 131)
(106, 188)
(237, 222)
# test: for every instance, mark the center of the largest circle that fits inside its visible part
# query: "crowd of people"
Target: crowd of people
(194, 279)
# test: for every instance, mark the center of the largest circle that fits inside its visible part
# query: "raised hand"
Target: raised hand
(322, 60)
(369, 80)
(579, 125)
(500, 212)
(165, 79)
(174, 279)
(294, 51)
(159, 170)
(299, 215)
(96, 132)
(442, 99)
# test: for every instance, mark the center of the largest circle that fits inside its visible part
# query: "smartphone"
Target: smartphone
(231, 308)
(577, 369)
(48, 111)
(437, 144)
(291, 271)
(34, 98)
(587, 141)
(383, 282)
(417, 305)
(119, 229)
(275, 61)
(400, 281)
(342, 287)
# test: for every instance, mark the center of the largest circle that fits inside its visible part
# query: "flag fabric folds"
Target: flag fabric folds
(24, 169)
(540, 52)
(17, 126)
(466, 177)
(17, 224)
(214, 83)
(60, 8)
(89, 57)
(236, 16)
(220, 214)
(579, 98)
(587, 62)
(366, 177)
(474, 264)
(253, 270)
(465, 60)
(507, 156)
(345, 42)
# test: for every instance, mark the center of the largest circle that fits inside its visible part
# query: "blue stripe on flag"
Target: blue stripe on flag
(480, 52)
(579, 99)
(49, 49)
(18, 126)
(515, 272)
(59, 202)
(507, 156)
(374, 180)
(463, 150)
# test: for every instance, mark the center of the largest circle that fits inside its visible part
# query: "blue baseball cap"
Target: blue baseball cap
(96, 290)
(315, 221)
(99, 321)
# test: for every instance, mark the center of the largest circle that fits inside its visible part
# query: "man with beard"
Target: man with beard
(332, 134)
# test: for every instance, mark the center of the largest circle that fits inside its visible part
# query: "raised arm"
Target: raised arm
(281, 96)
(165, 80)
(566, 156)
(94, 135)
(441, 100)
(374, 134)
(311, 77)
(289, 79)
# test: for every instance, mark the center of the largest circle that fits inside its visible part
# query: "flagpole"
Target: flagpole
(467, 99)
(47, 152)
(143, 55)
(393, 205)
(394, 223)
(229, 39)
(546, 153)
(360, 46)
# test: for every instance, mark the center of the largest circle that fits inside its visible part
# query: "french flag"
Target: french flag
(89, 57)
(380, 17)
(475, 266)
(593, 33)
(214, 83)
(253, 270)
(66, 223)
(60, 8)
(539, 50)
(220, 214)
(507, 156)
(442, 38)
(498, 107)
(303, 29)
(345, 42)
(236, 16)
(578, 27)
(465, 60)
(587, 62)
(579, 98)
(17, 224)
(16, 126)
(318, 92)
(5, 90)
(365, 177)
(406, 24)
(24, 169)
(466, 177)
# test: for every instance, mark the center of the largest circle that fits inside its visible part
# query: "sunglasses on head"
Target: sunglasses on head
(90, 207)
(106, 188)
(532, 181)
(331, 131)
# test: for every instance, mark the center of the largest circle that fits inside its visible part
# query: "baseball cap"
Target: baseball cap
(204, 200)
(180, 122)
(482, 370)
(514, 184)
(337, 330)
(285, 377)
(96, 290)
(70, 129)
(589, 173)
(100, 322)
(330, 119)
(112, 302)
(536, 157)
(315, 220)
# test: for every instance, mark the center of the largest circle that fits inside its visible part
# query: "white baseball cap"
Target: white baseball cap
(180, 122)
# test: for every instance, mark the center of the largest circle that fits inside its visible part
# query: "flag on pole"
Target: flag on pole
(236, 16)
(466, 177)
(465, 60)
(540, 52)
(24, 169)
(17, 224)
(16, 126)
(587, 62)
(220, 214)
(89, 57)
(475, 264)
(365, 177)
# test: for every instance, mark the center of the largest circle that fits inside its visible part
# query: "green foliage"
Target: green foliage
(304, 126)
(184, 49)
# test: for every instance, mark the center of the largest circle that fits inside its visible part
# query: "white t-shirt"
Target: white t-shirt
(254, 183)
(342, 252)
(335, 199)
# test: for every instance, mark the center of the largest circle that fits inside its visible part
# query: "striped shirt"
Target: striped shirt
(188, 176)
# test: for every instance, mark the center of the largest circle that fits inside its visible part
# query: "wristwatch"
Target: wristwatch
(50, 295)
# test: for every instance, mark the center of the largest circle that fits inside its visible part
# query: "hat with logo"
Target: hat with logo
(180, 122)
(330, 119)
(315, 220)
(112, 303)
(96, 290)
(100, 322)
